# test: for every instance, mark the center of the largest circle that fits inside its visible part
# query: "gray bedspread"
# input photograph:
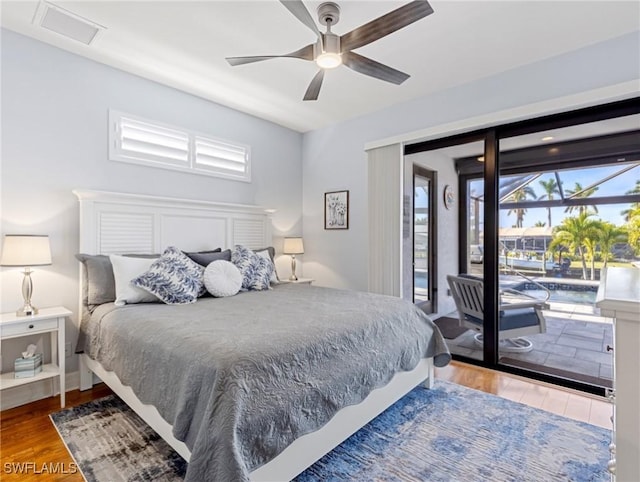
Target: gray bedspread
(240, 378)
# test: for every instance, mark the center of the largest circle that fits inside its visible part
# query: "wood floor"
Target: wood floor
(571, 404)
(27, 435)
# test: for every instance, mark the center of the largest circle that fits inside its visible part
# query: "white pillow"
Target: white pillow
(125, 269)
(222, 278)
(274, 276)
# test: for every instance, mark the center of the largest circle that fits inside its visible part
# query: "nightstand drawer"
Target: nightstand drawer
(28, 326)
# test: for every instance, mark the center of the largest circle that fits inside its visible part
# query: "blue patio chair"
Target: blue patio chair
(520, 313)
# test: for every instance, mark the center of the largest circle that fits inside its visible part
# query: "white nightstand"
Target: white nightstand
(47, 320)
(300, 281)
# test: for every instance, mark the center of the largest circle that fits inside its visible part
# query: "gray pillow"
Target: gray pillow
(99, 284)
(205, 258)
(217, 250)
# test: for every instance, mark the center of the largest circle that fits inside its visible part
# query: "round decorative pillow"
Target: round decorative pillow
(222, 278)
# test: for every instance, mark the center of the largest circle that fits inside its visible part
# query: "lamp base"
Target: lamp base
(27, 310)
(27, 289)
(293, 276)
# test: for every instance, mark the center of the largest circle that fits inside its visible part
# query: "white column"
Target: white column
(619, 298)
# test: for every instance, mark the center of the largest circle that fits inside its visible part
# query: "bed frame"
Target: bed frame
(112, 223)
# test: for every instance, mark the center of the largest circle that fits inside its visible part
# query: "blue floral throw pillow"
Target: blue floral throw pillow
(174, 278)
(256, 270)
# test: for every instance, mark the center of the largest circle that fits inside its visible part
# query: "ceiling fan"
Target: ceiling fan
(331, 50)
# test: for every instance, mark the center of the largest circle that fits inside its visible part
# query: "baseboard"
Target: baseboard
(23, 394)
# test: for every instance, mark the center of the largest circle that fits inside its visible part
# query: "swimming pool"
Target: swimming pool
(562, 292)
(565, 296)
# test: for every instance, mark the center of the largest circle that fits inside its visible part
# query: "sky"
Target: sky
(586, 177)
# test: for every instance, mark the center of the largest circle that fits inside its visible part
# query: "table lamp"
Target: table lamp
(293, 246)
(26, 250)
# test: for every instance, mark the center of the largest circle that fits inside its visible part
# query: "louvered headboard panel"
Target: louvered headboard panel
(112, 223)
(124, 232)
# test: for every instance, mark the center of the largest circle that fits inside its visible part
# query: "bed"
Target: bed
(256, 386)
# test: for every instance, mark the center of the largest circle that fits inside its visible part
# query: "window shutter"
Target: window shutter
(144, 141)
(222, 157)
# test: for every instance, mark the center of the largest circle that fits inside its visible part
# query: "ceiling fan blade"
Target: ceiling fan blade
(305, 53)
(297, 8)
(372, 68)
(382, 26)
(314, 87)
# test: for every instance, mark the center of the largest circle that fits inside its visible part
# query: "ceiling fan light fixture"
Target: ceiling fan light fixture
(329, 60)
(328, 53)
(331, 50)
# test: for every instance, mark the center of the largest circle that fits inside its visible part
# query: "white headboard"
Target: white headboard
(112, 223)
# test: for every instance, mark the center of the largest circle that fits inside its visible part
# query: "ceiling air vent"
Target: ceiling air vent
(64, 22)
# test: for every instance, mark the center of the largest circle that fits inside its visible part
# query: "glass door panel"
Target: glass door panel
(560, 224)
(443, 204)
(423, 284)
(475, 226)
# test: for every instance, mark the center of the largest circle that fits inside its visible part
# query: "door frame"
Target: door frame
(430, 306)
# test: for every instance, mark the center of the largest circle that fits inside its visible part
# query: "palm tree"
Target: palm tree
(608, 234)
(579, 189)
(550, 188)
(633, 229)
(519, 195)
(573, 233)
(540, 224)
(635, 190)
(590, 245)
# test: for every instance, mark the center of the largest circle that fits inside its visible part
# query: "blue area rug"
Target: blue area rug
(449, 433)
(453, 433)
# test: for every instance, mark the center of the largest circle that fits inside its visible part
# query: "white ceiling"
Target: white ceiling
(183, 44)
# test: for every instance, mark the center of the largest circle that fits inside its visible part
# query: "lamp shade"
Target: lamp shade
(25, 250)
(293, 246)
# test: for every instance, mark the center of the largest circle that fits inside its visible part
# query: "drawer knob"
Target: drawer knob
(30, 326)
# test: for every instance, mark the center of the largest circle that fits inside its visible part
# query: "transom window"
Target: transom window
(135, 140)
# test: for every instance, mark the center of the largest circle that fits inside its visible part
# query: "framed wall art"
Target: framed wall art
(336, 210)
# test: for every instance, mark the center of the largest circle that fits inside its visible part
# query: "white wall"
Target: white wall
(334, 157)
(54, 139)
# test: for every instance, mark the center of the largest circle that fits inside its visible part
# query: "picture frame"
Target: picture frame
(336, 210)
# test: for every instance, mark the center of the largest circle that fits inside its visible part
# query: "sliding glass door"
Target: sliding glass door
(544, 206)
(565, 199)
